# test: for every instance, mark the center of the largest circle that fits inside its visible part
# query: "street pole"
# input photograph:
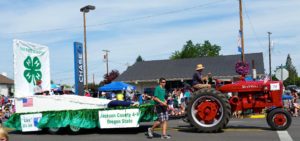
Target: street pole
(85, 53)
(106, 59)
(84, 10)
(270, 69)
(241, 29)
(93, 81)
(281, 74)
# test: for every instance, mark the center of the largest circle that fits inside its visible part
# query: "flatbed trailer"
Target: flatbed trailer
(75, 112)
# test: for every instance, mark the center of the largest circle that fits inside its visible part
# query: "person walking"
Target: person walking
(161, 109)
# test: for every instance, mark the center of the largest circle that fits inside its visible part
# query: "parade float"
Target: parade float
(54, 112)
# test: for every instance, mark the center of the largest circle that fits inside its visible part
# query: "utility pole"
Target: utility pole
(241, 29)
(93, 80)
(270, 69)
(106, 59)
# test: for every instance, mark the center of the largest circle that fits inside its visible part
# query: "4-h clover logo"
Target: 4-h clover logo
(32, 71)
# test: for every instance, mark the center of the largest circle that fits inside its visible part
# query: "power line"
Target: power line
(252, 27)
(121, 21)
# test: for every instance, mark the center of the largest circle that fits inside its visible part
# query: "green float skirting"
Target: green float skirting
(86, 118)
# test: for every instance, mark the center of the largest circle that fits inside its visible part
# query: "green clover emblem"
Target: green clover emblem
(33, 67)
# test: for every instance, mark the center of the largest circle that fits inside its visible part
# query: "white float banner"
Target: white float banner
(29, 122)
(274, 86)
(31, 63)
(119, 118)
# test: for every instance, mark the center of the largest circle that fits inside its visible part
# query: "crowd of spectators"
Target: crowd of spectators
(7, 108)
(178, 100)
(290, 101)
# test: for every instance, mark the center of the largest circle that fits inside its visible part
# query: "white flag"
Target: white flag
(239, 41)
(31, 63)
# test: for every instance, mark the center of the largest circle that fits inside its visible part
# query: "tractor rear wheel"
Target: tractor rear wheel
(279, 119)
(209, 110)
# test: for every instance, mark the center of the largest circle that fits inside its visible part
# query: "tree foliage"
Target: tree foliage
(191, 50)
(139, 59)
(293, 75)
(110, 77)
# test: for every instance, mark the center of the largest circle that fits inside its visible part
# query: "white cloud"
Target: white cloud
(152, 38)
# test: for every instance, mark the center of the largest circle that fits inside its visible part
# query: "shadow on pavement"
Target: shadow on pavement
(66, 131)
(249, 127)
(190, 129)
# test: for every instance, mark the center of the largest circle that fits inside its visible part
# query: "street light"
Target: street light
(84, 10)
(270, 73)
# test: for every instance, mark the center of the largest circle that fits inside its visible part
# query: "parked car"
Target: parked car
(295, 87)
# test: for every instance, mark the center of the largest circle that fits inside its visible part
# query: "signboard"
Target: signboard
(119, 118)
(281, 74)
(78, 64)
(29, 122)
(31, 63)
(274, 86)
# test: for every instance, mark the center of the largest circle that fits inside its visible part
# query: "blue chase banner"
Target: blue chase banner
(78, 61)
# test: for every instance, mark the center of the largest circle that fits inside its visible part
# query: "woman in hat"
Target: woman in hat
(200, 82)
(295, 102)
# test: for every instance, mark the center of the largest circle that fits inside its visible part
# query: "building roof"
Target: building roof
(183, 69)
(5, 80)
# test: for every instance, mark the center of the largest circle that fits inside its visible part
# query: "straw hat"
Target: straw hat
(199, 67)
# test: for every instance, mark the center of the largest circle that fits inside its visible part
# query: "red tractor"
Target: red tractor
(210, 109)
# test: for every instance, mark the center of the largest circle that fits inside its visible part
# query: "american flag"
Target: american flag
(266, 79)
(27, 102)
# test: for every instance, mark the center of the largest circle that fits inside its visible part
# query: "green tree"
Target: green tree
(293, 75)
(207, 49)
(139, 59)
(66, 86)
(191, 50)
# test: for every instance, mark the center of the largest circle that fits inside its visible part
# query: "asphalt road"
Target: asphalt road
(238, 130)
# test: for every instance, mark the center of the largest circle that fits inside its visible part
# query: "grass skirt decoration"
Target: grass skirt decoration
(85, 118)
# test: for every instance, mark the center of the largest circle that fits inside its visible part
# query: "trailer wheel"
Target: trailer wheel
(279, 119)
(74, 129)
(209, 110)
(53, 130)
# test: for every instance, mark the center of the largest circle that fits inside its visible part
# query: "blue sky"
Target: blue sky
(151, 29)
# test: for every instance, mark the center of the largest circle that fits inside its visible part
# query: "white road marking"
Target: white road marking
(284, 136)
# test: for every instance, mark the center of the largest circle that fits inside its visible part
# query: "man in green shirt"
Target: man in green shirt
(161, 109)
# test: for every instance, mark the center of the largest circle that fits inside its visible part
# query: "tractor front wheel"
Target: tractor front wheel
(279, 119)
(209, 110)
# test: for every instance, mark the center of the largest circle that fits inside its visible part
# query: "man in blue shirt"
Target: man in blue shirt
(199, 81)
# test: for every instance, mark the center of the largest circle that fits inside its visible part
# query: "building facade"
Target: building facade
(6, 85)
(145, 74)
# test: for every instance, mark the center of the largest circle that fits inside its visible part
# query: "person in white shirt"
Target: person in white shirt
(38, 90)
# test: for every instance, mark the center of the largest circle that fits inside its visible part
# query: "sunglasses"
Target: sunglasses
(163, 82)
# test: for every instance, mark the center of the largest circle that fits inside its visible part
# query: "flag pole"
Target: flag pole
(241, 30)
